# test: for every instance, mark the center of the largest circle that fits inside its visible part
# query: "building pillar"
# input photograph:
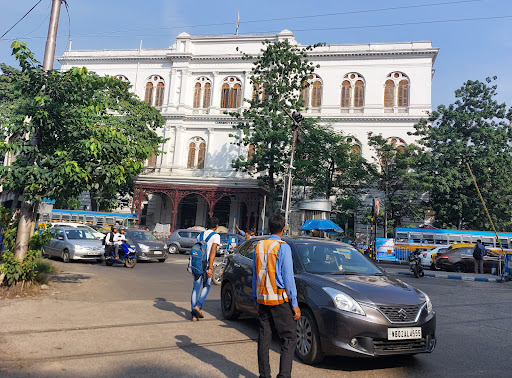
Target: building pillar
(216, 89)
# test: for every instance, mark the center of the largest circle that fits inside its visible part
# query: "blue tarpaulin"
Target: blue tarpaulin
(320, 225)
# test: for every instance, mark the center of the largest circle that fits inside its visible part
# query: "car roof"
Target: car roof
(303, 238)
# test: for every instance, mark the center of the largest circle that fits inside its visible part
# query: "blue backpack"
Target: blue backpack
(198, 255)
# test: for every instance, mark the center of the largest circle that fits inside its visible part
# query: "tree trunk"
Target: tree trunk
(94, 203)
(24, 230)
(15, 202)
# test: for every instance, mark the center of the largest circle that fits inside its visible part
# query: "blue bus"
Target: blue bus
(103, 219)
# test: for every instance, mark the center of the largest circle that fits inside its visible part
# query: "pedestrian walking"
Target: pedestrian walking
(205, 280)
(273, 289)
(478, 255)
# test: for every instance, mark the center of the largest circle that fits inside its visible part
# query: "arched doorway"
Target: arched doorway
(222, 210)
(187, 210)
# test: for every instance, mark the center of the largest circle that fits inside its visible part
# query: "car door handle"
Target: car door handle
(237, 265)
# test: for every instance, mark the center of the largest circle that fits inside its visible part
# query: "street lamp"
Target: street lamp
(296, 118)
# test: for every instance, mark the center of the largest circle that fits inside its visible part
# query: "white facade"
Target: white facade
(218, 60)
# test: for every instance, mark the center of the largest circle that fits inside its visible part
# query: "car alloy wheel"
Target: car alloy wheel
(304, 336)
(308, 339)
(65, 256)
(173, 248)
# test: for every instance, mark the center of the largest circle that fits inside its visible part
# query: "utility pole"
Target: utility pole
(29, 210)
(51, 40)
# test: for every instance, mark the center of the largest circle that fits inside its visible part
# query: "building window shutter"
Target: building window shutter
(159, 100)
(359, 94)
(191, 155)
(345, 94)
(316, 96)
(197, 95)
(403, 93)
(207, 93)
(224, 101)
(201, 155)
(389, 94)
(148, 96)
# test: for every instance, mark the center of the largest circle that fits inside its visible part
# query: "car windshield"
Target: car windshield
(78, 234)
(334, 258)
(141, 235)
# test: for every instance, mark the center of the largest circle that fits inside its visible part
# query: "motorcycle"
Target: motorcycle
(415, 264)
(129, 258)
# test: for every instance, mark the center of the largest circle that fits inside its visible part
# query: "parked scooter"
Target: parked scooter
(129, 258)
(415, 264)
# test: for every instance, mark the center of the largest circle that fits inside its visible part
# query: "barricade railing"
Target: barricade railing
(399, 255)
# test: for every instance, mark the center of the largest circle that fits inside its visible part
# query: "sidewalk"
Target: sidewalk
(403, 269)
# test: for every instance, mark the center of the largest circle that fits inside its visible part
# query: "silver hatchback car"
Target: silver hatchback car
(73, 243)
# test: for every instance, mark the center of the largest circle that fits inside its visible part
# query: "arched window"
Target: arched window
(255, 91)
(231, 93)
(345, 94)
(313, 92)
(194, 160)
(148, 96)
(389, 94)
(396, 90)
(355, 145)
(403, 93)
(207, 94)
(399, 143)
(155, 88)
(352, 90)
(122, 78)
(250, 152)
(202, 88)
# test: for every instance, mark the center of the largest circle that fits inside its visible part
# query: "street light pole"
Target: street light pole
(296, 118)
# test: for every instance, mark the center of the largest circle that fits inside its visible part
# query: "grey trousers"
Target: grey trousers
(479, 263)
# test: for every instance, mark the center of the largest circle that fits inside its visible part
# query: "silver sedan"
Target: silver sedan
(73, 243)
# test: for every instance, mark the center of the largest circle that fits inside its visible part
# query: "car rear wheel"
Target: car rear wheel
(459, 268)
(227, 301)
(433, 266)
(173, 248)
(308, 339)
(65, 256)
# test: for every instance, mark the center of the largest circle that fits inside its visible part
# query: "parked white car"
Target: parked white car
(428, 258)
(73, 243)
(98, 235)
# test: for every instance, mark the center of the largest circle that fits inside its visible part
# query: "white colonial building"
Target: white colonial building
(380, 87)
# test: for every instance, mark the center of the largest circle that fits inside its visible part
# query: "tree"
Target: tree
(72, 131)
(475, 129)
(278, 76)
(396, 179)
(330, 164)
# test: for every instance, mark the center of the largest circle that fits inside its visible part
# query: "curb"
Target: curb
(463, 278)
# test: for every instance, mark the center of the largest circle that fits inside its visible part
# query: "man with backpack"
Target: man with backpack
(478, 255)
(201, 260)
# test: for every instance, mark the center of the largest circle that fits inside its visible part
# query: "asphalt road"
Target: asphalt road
(117, 322)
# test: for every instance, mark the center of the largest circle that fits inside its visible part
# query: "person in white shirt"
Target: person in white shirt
(119, 239)
(205, 280)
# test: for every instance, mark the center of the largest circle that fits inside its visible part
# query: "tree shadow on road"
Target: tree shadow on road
(69, 277)
(164, 305)
(217, 360)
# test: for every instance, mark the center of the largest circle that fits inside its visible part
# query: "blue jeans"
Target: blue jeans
(199, 296)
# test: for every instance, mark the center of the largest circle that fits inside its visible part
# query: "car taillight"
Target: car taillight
(441, 256)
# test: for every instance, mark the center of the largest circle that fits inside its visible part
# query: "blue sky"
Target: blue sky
(468, 49)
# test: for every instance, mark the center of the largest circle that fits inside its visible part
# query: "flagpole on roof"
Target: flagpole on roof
(237, 22)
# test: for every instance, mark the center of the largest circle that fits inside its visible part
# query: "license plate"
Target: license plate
(93, 253)
(157, 252)
(404, 333)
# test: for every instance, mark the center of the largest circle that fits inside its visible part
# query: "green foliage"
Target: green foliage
(330, 163)
(17, 270)
(10, 97)
(475, 129)
(89, 133)
(282, 70)
(397, 180)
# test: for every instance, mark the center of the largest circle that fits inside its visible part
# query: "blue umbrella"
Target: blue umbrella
(320, 225)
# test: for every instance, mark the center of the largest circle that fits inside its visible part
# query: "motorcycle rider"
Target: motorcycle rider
(109, 243)
(119, 239)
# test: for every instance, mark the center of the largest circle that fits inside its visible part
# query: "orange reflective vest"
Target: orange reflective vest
(265, 260)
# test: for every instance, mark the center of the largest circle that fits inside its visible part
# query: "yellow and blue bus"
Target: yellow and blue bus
(103, 219)
(408, 239)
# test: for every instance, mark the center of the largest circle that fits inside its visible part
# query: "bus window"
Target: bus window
(89, 219)
(428, 238)
(109, 220)
(415, 238)
(81, 218)
(454, 239)
(487, 241)
(65, 218)
(74, 218)
(467, 239)
(100, 220)
(504, 243)
(402, 237)
(441, 238)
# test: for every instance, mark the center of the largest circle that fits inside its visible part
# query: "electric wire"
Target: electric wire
(26, 14)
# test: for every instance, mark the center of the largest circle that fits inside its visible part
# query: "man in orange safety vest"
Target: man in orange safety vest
(273, 289)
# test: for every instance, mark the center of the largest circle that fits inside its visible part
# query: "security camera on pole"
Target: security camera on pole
(296, 118)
